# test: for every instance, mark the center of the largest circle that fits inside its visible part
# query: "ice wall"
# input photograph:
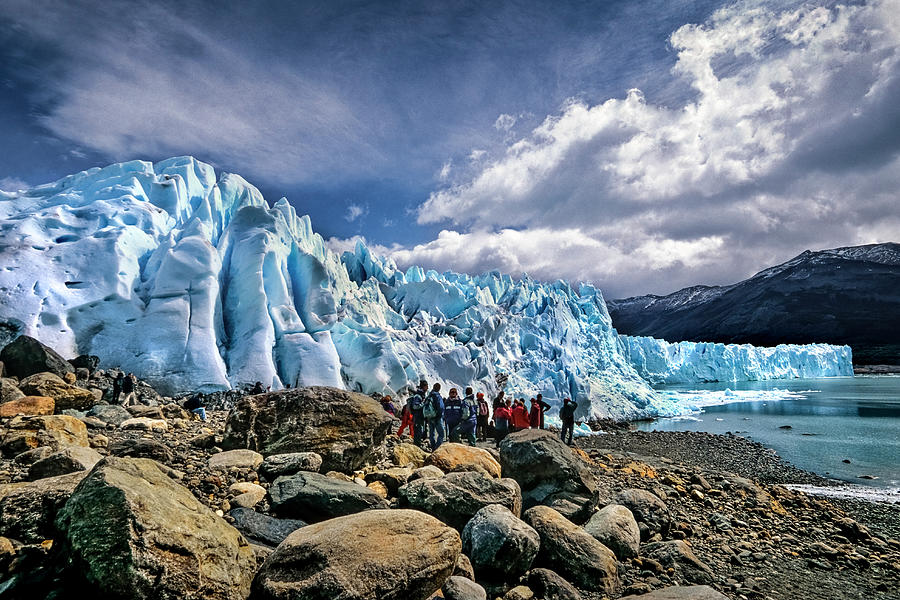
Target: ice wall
(659, 361)
(196, 282)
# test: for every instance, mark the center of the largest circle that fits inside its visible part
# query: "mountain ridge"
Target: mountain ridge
(848, 295)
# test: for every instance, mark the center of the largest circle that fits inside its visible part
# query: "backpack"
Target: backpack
(415, 402)
(483, 409)
(434, 406)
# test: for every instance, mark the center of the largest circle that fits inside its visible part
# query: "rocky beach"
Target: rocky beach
(307, 494)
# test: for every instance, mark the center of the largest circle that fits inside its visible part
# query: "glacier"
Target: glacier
(196, 282)
(659, 361)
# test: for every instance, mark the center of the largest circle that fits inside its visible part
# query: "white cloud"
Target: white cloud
(341, 245)
(504, 122)
(444, 174)
(792, 115)
(355, 211)
(13, 184)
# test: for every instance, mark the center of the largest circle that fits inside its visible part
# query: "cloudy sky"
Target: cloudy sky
(642, 146)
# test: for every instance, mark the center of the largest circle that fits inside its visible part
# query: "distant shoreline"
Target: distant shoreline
(875, 369)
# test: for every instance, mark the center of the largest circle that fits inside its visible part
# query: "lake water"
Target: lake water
(830, 420)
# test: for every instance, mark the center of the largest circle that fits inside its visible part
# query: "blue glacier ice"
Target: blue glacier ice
(659, 361)
(194, 281)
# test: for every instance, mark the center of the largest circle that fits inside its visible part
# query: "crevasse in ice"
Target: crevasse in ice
(196, 282)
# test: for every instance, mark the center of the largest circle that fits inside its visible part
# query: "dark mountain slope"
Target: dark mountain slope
(840, 296)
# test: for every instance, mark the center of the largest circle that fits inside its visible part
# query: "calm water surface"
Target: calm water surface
(830, 420)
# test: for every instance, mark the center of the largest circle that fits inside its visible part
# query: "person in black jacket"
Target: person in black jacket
(567, 416)
(543, 406)
(195, 405)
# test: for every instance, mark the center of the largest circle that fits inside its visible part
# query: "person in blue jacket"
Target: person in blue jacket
(433, 411)
(453, 414)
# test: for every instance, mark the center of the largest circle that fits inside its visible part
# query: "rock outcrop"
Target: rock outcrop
(456, 497)
(340, 426)
(26, 356)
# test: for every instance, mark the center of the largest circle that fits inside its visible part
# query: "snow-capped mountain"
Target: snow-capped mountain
(196, 282)
(840, 296)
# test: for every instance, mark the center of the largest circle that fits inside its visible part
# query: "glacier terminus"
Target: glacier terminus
(195, 282)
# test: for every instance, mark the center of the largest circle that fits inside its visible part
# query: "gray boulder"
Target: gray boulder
(615, 527)
(648, 509)
(27, 511)
(550, 473)
(315, 497)
(109, 413)
(373, 555)
(548, 585)
(26, 356)
(279, 465)
(141, 448)
(460, 588)
(680, 592)
(131, 531)
(499, 544)
(456, 497)
(9, 390)
(572, 552)
(677, 555)
(263, 528)
(68, 460)
(342, 427)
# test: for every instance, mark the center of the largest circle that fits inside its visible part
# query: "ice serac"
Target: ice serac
(197, 282)
(659, 361)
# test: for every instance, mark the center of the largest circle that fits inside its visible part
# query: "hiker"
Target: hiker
(117, 386)
(498, 400)
(469, 417)
(543, 406)
(257, 388)
(128, 389)
(195, 405)
(534, 415)
(388, 405)
(567, 416)
(406, 418)
(416, 404)
(433, 411)
(501, 422)
(519, 416)
(453, 415)
(483, 417)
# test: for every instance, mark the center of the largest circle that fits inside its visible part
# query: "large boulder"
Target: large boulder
(55, 431)
(681, 592)
(550, 473)
(28, 510)
(67, 460)
(405, 454)
(677, 555)
(651, 513)
(453, 458)
(29, 406)
(263, 528)
(342, 427)
(572, 552)
(109, 413)
(615, 527)
(460, 588)
(548, 585)
(373, 555)
(499, 544)
(66, 396)
(235, 459)
(26, 356)
(315, 497)
(392, 478)
(278, 465)
(131, 531)
(9, 390)
(141, 448)
(86, 361)
(456, 497)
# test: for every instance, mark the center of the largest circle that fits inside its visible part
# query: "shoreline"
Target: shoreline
(746, 458)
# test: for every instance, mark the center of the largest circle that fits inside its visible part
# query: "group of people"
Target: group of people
(124, 387)
(469, 418)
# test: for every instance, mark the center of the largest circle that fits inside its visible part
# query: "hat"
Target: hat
(480, 394)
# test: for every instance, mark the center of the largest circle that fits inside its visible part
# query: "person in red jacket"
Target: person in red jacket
(502, 418)
(520, 416)
(406, 419)
(534, 415)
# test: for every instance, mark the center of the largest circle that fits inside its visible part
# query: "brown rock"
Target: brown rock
(9, 390)
(55, 431)
(453, 458)
(27, 510)
(28, 405)
(409, 454)
(342, 427)
(678, 592)
(373, 555)
(65, 396)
